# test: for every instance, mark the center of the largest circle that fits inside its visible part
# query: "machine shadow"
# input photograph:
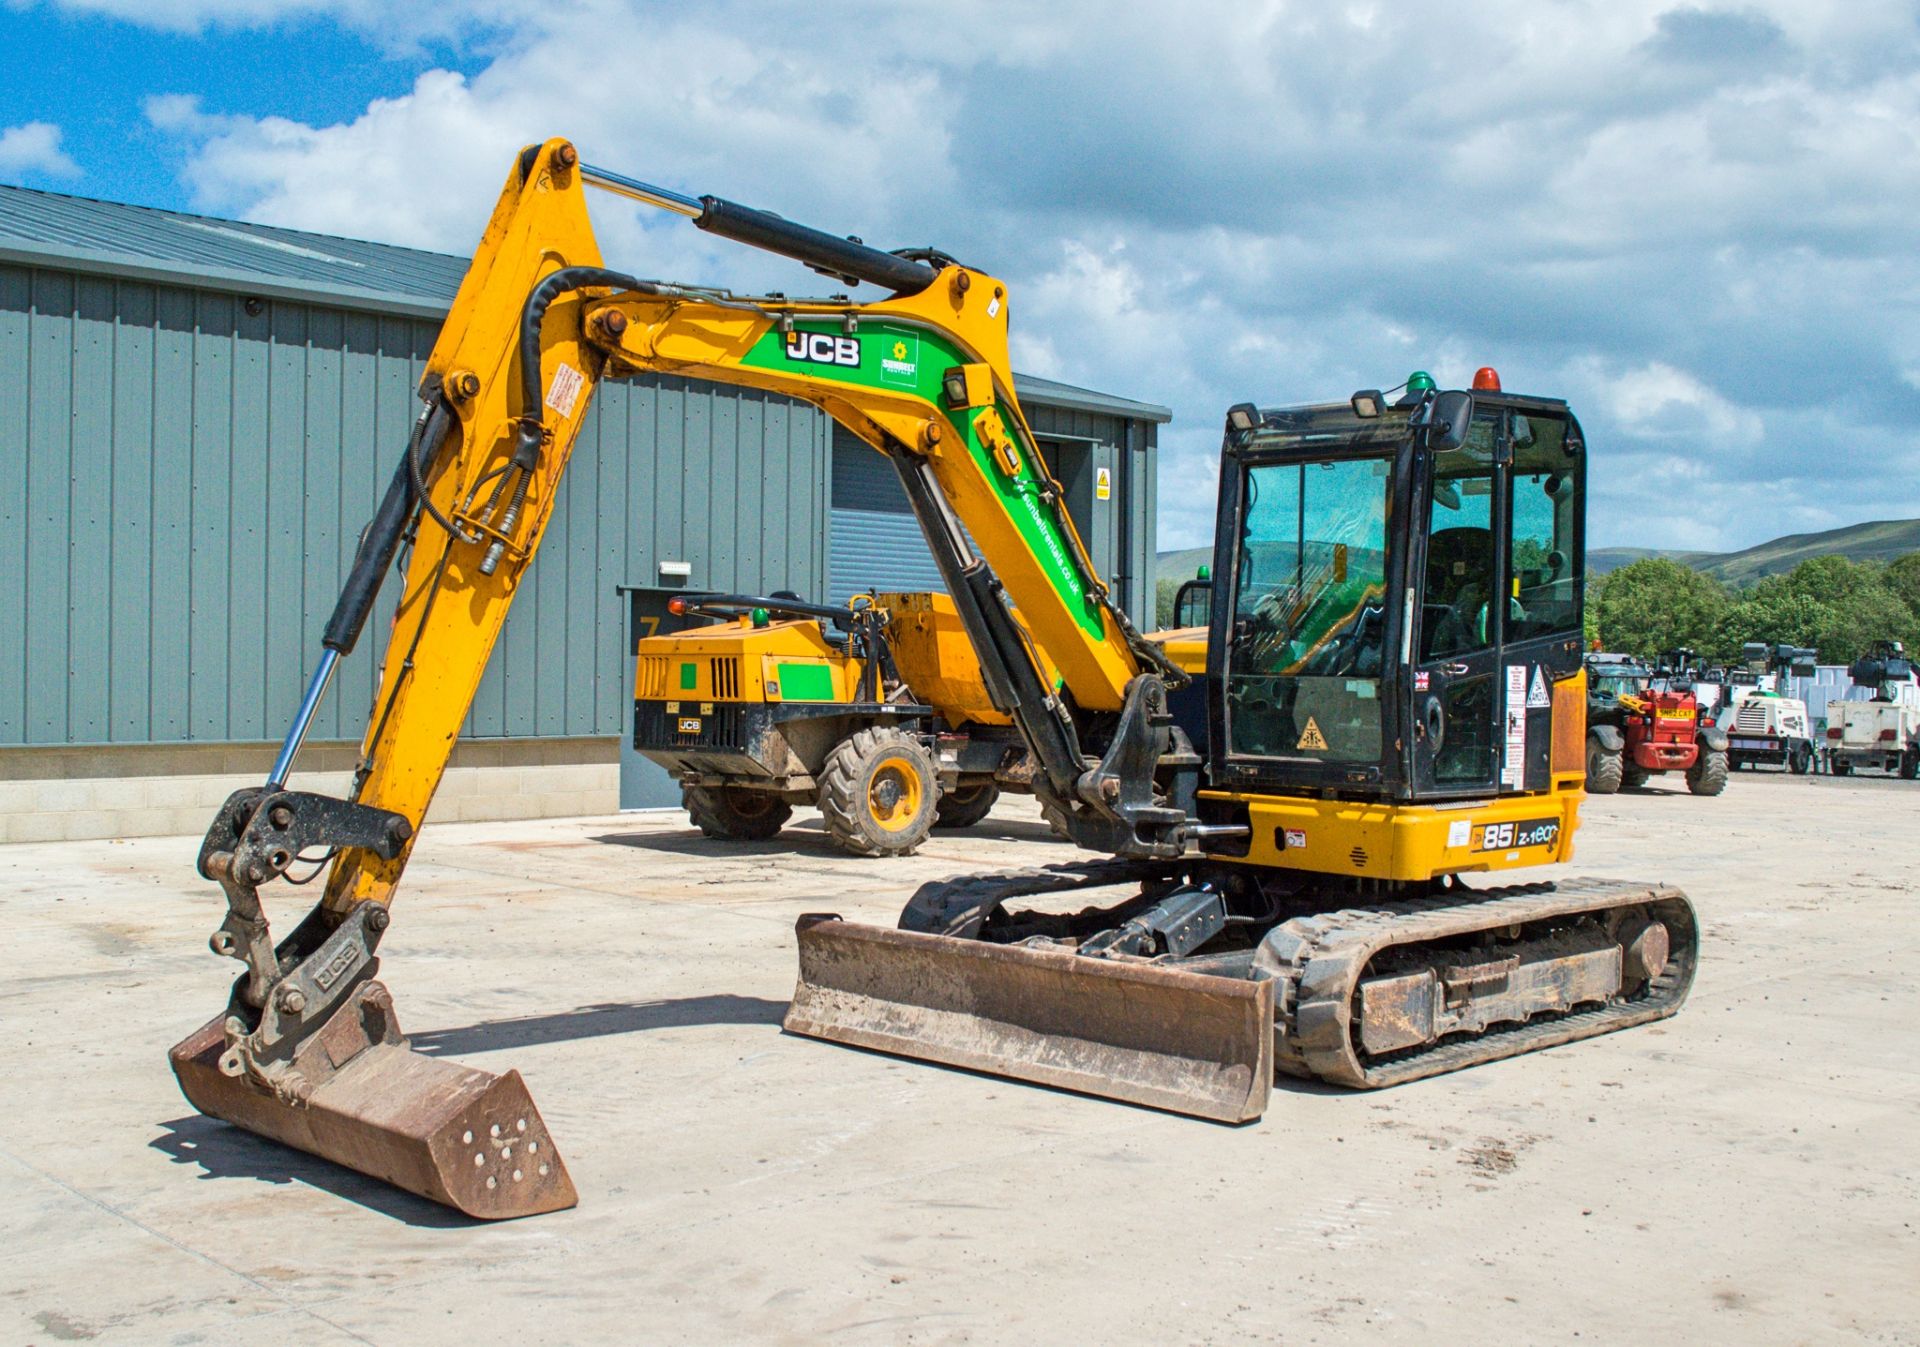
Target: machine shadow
(798, 838)
(597, 1021)
(223, 1151)
(809, 837)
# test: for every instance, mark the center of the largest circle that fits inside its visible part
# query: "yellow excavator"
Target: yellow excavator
(1392, 698)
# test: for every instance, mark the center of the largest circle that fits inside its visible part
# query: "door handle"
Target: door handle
(1455, 670)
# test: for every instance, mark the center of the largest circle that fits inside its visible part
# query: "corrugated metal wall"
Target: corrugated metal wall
(876, 539)
(1118, 531)
(182, 483)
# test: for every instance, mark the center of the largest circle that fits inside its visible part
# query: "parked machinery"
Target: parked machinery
(874, 712)
(1881, 734)
(1643, 722)
(1764, 726)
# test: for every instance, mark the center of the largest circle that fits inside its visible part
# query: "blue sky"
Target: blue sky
(1695, 221)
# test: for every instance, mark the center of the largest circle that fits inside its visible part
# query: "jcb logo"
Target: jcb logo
(822, 348)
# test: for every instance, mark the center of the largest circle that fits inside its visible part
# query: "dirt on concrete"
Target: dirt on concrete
(1747, 1172)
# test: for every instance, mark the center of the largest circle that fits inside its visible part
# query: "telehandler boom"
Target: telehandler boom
(1392, 697)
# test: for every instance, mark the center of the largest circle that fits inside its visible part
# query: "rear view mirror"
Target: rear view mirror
(1452, 415)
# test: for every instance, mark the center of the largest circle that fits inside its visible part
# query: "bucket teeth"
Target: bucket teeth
(465, 1138)
(1144, 1033)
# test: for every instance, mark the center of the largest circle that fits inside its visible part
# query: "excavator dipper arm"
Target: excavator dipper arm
(308, 1049)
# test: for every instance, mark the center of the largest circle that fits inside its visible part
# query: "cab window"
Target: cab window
(1460, 577)
(1544, 548)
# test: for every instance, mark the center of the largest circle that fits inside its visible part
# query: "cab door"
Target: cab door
(1456, 687)
(1496, 624)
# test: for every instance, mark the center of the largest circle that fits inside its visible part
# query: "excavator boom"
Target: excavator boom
(308, 1050)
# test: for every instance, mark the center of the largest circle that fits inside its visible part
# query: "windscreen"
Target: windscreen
(1303, 677)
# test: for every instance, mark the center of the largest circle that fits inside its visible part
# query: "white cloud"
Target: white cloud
(34, 147)
(1695, 223)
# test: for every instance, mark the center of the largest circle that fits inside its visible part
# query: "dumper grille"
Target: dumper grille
(655, 727)
(651, 678)
(724, 673)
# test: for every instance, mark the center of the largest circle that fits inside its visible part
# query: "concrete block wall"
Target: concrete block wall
(62, 793)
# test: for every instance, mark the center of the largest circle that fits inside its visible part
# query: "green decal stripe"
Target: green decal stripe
(897, 358)
(805, 682)
(689, 679)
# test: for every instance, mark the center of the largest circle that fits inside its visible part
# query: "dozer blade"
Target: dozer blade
(468, 1139)
(1144, 1033)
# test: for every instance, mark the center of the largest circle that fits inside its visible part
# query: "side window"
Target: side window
(1460, 580)
(1544, 594)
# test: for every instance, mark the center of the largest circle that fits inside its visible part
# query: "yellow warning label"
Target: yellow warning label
(1312, 739)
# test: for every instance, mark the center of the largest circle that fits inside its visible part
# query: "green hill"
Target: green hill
(1876, 540)
(1182, 564)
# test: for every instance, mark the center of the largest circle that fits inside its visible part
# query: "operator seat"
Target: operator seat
(1459, 583)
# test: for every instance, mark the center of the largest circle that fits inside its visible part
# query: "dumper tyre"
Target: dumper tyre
(879, 792)
(1633, 776)
(1800, 758)
(965, 806)
(1910, 764)
(1604, 767)
(735, 814)
(1708, 775)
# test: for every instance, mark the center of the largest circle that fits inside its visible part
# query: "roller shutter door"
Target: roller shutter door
(876, 542)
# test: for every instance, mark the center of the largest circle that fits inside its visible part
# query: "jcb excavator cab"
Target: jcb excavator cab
(1356, 657)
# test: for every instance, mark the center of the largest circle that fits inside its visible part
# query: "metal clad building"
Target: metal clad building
(197, 417)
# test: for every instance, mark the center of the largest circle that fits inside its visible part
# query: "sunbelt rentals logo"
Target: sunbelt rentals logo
(899, 356)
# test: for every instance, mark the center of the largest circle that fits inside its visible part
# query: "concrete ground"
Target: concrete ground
(1744, 1173)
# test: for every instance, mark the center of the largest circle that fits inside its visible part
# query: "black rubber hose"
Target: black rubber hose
(539, 300)
(381, 537)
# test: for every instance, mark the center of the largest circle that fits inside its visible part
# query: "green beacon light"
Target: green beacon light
(760, 617)
(1420, 382)
(1204, 573)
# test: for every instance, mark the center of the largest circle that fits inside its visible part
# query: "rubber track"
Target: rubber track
(1318, 960)
(1321, 959)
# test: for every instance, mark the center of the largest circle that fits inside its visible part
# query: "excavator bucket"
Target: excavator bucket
(1185, 1042)
(467, 1139)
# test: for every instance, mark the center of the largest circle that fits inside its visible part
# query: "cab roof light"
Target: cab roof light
(1486, 379)
(1243, 416)
(1366, 403)
(1420, 382)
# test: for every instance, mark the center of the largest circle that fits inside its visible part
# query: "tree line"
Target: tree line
(1836, 606)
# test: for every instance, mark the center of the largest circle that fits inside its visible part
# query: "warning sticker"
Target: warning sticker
(1513, 771)
(1103, 484)
(1459, 832)
(1295, 837)
(1537, 698)
(564, 391)
(1312, 740)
